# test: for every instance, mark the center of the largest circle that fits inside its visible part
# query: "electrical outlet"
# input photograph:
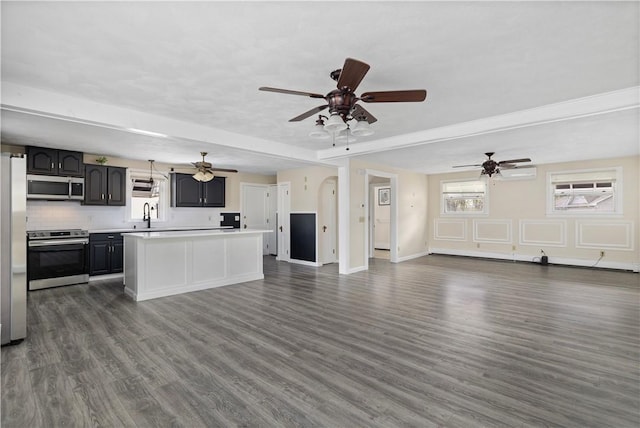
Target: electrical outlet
(513, 247)
(601, 253)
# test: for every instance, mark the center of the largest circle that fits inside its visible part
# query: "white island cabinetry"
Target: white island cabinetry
(158, 264)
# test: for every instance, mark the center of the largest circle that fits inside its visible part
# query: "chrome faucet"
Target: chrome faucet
(146, 214)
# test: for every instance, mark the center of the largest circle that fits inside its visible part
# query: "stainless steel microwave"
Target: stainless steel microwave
(55, 188)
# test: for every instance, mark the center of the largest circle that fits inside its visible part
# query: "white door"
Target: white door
(272, 220)
(382, 221)
(328, 223)
(284, 208)
(255, 209)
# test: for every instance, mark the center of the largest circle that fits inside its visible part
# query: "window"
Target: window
(464, 197)
(595, 192)
(143, 190)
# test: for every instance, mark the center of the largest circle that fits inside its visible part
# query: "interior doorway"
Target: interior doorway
(380, 215)
(382, 205)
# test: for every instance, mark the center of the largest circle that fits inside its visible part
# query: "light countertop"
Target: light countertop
(194, 233)
(158, 229)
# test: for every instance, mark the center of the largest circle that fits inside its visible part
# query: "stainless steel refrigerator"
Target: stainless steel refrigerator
(13, 248)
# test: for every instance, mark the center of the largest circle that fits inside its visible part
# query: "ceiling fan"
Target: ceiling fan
(490, 166)
(341, 102)
(204, 170)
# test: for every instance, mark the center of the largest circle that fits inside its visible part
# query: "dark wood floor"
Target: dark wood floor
(437, 341)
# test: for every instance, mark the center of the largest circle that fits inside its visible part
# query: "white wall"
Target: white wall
(518, 227)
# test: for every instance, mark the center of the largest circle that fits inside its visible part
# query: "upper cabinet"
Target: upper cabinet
(187, 192)
(105, 185)
(46, 161)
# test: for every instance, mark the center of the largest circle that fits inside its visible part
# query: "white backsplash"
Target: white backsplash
(42, 215)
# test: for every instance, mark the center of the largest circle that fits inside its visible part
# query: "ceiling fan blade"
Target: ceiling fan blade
(309, 113)
(353, 71)
(464, 166)
(287, 91)
(359, 111)
(415, 95)
(507, 166)
(514, 161)
(223, 170)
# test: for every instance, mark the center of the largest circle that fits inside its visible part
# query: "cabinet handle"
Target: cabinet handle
(205, 200)
(200, 199)
(53, 165)
(60, 165)
(109, 196)
(102, 195)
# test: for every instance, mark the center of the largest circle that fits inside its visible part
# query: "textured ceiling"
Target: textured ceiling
(201, 63)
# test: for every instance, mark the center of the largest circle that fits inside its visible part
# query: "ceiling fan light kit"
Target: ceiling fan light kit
(335, 123)
(342, 102)
(319, 131)
(362, 129)
(203, 176)
(345, 136)
(204, 170)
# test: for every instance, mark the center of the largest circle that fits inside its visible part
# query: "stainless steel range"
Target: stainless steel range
(57, 257)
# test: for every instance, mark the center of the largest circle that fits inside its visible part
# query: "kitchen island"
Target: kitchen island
(158, 264)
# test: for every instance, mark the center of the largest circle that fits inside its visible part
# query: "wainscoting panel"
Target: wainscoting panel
(450, 229)
(550, 233)
(604, 234)
(494, 231)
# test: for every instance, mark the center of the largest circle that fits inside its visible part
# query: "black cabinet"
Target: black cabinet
(106, 253)
(188, 192)
(46, 161)
(105, 185)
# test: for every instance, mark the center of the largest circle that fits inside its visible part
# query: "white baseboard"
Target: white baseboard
(304, 262)
(528, 258)
(356, 269)
(412, 256)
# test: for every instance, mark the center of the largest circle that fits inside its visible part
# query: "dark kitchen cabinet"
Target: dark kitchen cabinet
(106, 253)
(46, 161)
(188, 192)
(105, 185)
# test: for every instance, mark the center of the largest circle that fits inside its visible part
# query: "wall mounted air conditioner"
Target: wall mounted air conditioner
(523, 173)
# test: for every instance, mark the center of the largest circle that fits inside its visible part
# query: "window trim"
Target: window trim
(165, 194)
(618, 194)
(483, 213)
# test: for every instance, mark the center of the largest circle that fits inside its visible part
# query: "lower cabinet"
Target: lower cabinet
(106, 253)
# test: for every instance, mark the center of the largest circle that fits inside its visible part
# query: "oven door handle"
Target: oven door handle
(51, 242)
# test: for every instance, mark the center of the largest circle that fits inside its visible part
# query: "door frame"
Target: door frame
(372, 212)
(393, 184)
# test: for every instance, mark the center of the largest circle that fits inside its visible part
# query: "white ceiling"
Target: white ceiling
(500, 76)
